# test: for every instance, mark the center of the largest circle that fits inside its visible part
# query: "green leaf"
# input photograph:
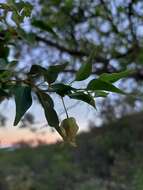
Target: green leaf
(70, 128)
(4, 52)
(27, 9)
(53, 71)
(37, 70)
(69, 4)
(44, 26)
(5, 74)
(23, 101)
(5, 6)
(28, 37)
(51, 116)
(83, 97)
(56, 2)
(50, 74)
(47, 99)
(97, 84)
(48, 106)
(86, 69)
(114, 76)
(3, 95)
(100, 94)
(84, 72)
(61, 89)
(16, 18)
(10, 1)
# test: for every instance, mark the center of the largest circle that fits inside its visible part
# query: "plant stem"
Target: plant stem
(65, 107)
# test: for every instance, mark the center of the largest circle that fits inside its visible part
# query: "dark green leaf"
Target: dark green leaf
(5, 6)
(51, 116)
(4, 52)
(61, 89)
(83, 97)
(53, 71)
(114, 76)
(27, 9)
(23, 101)
(47, 99)
(37, 70)
(84, 72)
(86, 69)
(50, 74)
(100, 94)
(5, 74)
(97, 84)
(44, 26)
(69, 4)
(3, 93)
(50, 113)
(56, 2)
(28, 37)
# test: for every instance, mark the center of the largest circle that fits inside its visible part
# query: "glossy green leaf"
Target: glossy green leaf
(114, 76)
(48, 106)
(23, 101)
(83, 97)
(97, 84)
(53, 71)
(84, 72)
(101, 94)
(61, 89)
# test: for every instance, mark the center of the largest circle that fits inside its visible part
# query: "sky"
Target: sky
(10, 134)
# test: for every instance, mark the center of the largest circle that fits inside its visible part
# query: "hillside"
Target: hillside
(107, 158)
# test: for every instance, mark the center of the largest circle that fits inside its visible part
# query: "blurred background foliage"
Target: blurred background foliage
(107, 158)
(58, 32)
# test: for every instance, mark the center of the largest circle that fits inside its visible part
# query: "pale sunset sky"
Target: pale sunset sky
(10, 134)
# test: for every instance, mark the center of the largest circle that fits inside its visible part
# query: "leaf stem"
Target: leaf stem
(65, 107)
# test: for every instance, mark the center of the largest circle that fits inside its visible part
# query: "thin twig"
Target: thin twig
(65, 107)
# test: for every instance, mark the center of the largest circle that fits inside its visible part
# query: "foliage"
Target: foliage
(22, 84)
(110, 157)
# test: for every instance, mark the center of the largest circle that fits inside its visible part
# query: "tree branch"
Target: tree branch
(109, 17)
(61, 48)
(78, 53)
